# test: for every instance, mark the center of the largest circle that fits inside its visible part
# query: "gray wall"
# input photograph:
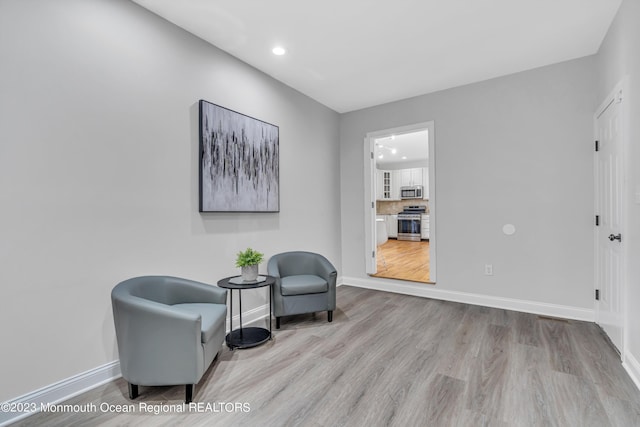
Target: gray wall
(98, 174)
(515, 149)
(618, 58)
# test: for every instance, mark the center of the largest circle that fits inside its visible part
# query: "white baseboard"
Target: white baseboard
(430, 291)
(60, 391)
(632, 366)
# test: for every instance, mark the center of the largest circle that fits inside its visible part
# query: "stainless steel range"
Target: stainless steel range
(410, 223)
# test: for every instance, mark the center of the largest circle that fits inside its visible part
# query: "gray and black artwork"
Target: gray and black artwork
(238, 162)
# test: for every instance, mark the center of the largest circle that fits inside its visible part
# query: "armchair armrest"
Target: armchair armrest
(153, 337)
(274, 270)
(326, 270)
(190, 291)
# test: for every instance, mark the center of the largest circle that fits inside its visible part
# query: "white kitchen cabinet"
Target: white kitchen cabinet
(411, 177)
(395, 185)
(392, 226)
(384, 184)
(416, 176)
(424, 225)
(425, 183)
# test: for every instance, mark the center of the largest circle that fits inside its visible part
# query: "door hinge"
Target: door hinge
(597, 294)
(597, 146)
(372, 155)
(373, 254)
(597, 220)
(373, 205)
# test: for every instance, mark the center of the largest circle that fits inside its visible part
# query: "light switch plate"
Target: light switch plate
(488, 269)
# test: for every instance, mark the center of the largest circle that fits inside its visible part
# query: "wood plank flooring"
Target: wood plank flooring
(396, 360)
(404, 260)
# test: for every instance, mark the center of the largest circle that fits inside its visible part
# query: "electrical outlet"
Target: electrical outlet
(488, 269)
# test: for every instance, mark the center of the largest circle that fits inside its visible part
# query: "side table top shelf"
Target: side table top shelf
(236, 282)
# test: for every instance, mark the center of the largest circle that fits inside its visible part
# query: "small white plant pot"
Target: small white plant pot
(249, 273)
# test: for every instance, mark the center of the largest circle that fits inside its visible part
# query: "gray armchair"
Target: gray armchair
(305, 283)
(168, 329)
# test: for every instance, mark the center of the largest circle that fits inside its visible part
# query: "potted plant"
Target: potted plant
(248, 261)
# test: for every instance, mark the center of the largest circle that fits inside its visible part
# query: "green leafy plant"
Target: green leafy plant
(249, 257)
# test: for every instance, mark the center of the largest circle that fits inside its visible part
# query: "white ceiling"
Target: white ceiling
(399, 149)
(352, 54)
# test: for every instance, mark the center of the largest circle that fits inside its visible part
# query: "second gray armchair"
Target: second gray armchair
(305, 283)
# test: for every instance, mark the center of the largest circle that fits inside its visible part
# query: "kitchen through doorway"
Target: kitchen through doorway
(402, 203)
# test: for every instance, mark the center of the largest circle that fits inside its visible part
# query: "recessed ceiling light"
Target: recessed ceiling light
(380, 156)
(394, 151)
(278, 50)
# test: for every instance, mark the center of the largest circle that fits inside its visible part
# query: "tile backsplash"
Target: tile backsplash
(390, 207)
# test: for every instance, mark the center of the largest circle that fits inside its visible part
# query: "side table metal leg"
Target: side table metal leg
(240, 304)
(230, 318)
(270, 330)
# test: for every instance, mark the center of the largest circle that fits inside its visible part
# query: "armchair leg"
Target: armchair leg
(188, 397)
(277, 322)
(330, 315)
(133, 391)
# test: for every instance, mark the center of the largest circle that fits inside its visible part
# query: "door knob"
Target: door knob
(618, 237)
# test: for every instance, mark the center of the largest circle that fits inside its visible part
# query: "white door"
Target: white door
(609, 233)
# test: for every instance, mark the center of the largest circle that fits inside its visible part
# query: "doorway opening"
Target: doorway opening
(400, 203)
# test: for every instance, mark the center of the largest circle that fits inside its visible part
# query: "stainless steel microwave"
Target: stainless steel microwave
(413, 192)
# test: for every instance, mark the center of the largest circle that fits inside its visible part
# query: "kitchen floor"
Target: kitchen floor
(404, 260)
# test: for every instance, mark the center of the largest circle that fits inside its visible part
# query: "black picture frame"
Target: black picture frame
(239, 162)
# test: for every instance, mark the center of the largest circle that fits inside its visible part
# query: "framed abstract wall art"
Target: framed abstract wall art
(239, 162)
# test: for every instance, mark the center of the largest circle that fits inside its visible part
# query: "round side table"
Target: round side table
(252, 336)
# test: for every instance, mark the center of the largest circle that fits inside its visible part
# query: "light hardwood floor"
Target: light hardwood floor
(396, 360)
(404, 260)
